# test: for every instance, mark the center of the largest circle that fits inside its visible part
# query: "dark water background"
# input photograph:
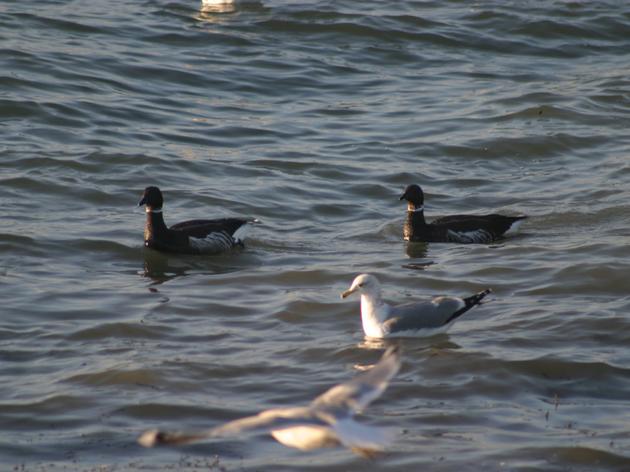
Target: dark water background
(312, 117)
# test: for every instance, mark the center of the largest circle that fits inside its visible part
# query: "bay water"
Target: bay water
(313, 116)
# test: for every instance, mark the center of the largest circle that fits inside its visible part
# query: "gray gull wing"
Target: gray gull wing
(363, 439)
(429, 315)
(422, 315)
(267, 420)
(359, 392)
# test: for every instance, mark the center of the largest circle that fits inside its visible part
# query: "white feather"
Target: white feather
(326, 422)
(515, 227)
(353, 434)
(214, 242)
(476, 236)
(305, 437)
(241, 232)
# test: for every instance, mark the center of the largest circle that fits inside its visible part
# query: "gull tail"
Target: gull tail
(469, 302)
(476, 298)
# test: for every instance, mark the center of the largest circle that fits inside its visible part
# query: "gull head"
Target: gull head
(364, 284)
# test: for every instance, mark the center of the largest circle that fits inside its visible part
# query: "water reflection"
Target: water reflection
(417, 250)
(211, 10)
(377, 343)
(161, 267)
(209, 7)
(432, 344)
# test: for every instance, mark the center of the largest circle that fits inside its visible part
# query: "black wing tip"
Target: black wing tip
(481, 295)
(477, 298)
(469, 302)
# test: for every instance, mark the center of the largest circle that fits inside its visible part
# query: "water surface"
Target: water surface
(313, 117)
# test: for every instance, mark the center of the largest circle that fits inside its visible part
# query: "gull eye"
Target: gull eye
(360, 284)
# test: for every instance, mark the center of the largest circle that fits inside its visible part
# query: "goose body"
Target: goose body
(188, 237)
(463, 229)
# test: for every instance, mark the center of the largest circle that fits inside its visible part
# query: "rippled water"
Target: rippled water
(312, 117)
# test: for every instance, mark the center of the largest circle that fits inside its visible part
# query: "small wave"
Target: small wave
(119, 331)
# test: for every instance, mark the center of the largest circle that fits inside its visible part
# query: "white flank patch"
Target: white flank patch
(515, 226)
(242, 232)
(217, 241)
(477, 236)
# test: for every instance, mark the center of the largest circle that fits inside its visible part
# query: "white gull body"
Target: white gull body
(425, 318)
(328, 421)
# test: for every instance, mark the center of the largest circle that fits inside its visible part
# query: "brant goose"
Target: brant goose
(188, 237)
(381, 320)
(328, 420)
(465, 229)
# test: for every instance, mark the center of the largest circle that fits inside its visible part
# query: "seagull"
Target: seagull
(327, 422)
(189, 237)
(466, 229)
(381, 320)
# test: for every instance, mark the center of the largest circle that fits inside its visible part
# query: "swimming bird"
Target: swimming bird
(381, 320)
(189, 237)
(455, 228)
(327, 422)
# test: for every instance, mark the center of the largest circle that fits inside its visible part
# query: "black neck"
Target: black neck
(414, 224)
(415, 214)
(155, 224)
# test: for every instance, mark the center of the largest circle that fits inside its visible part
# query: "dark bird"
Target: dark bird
(464, 229)
(189, 237)
(327, 422)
